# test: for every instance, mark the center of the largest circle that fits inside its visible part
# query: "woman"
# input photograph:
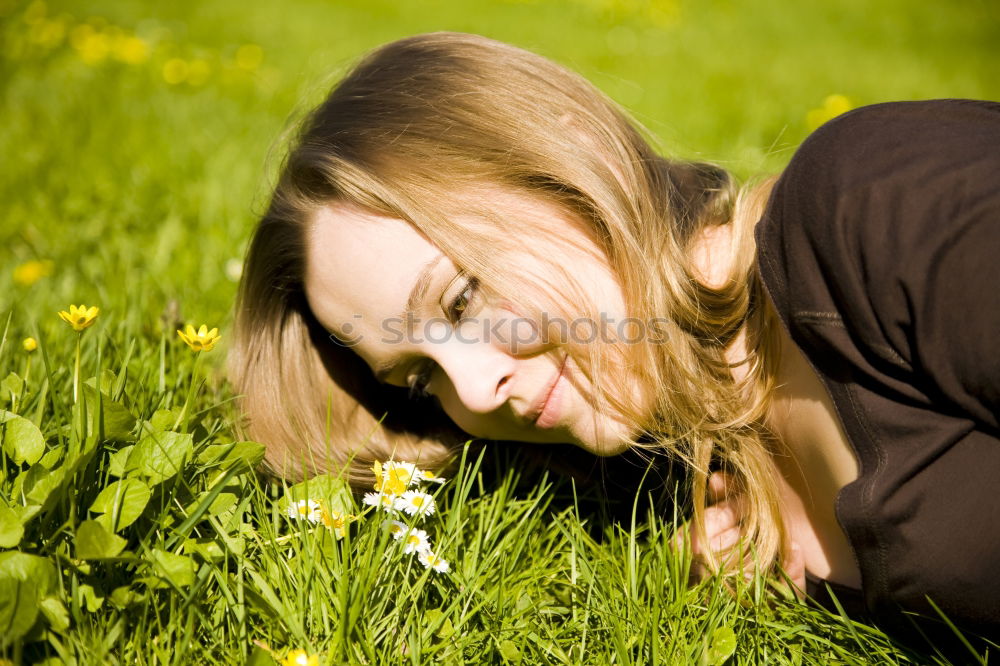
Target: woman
(467, 239)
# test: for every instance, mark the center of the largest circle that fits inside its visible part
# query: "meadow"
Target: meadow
(139, 141)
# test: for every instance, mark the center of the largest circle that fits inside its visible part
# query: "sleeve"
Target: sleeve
(895, 210)
(912, 250)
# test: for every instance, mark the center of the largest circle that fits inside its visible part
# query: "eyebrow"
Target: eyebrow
(423, 282)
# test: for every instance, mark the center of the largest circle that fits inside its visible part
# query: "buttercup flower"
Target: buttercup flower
(32, 271)
(386, 502)
(200, 340)
(336, 521)
(300, 658)
(833, 106)
(432, 561)
(80, 317)
(415, 502)
(310, 510)
(30, 345)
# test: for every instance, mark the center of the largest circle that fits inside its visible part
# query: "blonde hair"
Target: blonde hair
(429, 128)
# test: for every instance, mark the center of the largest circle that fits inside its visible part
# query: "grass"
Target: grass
(132, 529)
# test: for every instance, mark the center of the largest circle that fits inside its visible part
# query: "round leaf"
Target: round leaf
(22, 440)
(94, 542)
(722, 647)
(18, 608)
(121, 503)
(11, 529)
(160, 455)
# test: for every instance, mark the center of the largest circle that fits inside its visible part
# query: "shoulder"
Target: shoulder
(874, 205)
(896, 142)
(897, 167)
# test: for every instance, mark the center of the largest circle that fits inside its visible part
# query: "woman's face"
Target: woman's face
(478, 360)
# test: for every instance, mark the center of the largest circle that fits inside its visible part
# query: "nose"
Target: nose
(479, 373)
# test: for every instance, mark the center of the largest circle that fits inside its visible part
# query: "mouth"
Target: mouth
(538, 406)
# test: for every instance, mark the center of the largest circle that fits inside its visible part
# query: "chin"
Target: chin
(611, 440)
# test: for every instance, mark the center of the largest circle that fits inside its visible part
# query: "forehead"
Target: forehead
(360, 263)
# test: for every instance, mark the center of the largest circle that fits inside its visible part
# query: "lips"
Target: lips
(539, 403)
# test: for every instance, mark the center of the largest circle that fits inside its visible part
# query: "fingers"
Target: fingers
(719, 484)
(722, 488)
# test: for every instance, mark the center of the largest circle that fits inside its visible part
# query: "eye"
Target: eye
(457, 310)
(461, 305)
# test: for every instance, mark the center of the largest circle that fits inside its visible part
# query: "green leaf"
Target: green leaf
(24, 580)
(208, 549)
(26, 513)
(164, 419)
(55, 612)
(22, 440)
(117, 460)
(121, 503)
(178, 569)
(118, 421)
(12, 385)
(260, 657)
(18, 608)
(11, 529)
(22, 566)
(160, 455)
(245, 454)
(125, 596)
(433, 616)
(51, 458)
(95, 542)
(332, 492)
(40, 483)
(89, 599)
(509, 651)
(722, 647)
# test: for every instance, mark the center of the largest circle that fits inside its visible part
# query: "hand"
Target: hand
(723, 529)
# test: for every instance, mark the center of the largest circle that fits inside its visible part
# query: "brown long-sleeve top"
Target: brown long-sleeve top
(880, 248)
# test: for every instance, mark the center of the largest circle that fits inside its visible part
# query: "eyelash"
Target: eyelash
(456, 312)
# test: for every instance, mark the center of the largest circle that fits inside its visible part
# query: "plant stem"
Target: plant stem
(76, 368)
(183, 418)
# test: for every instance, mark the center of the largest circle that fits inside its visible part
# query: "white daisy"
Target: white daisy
(396, 528)
(432, 561)
(416, 541)
(384, 501)
(415, 502)
(403, 470)
(428, 476)
(306, 509)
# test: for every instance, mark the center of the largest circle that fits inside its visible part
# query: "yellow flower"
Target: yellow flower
(249, 57)
(300, 658)
(80, 317)
(833, 106)
(131, 50)
(30, 345)
(200, 340)
(337, 521)
(32, 271)
(393, 478)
